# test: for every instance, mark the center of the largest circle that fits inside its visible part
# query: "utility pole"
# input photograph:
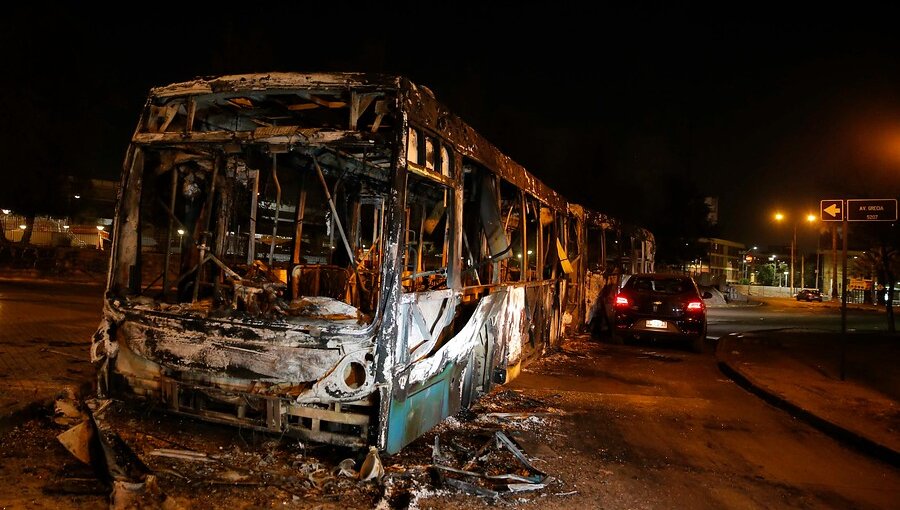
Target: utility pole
(844, 300)
(793, 243)
(818, 247)
(834, 293)
(802, 275)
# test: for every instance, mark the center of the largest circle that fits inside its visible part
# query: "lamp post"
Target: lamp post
(793, 244)
(745, 260)
(809, 218)
(775, 275)
(779, 217)
(818, 247)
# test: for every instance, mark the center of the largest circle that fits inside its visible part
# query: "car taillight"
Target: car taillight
(695, 306)
(621, 301)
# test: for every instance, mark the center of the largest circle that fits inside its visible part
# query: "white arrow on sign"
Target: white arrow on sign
(833, 210)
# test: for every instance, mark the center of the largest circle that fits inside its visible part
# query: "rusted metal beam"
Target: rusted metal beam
(337, 219)
(358, 105)
(298, 233)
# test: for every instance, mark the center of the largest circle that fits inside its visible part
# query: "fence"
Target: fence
(53, 232)
(752, 291)
(55, 248)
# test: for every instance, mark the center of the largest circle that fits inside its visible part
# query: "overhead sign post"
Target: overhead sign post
(872, 209)
(853, 209)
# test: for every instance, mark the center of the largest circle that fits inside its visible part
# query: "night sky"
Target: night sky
(764, 108)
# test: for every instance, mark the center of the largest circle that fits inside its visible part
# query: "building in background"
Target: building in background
(723, 262)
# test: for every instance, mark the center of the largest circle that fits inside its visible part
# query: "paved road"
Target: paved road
(45, 333)
(663, 428)
(787, 313)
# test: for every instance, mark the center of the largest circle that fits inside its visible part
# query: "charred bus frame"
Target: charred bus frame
(333, 256)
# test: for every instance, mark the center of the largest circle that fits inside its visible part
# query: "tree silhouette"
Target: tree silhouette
(883, 262)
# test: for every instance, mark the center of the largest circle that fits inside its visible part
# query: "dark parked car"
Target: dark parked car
(661, 305)
(809, 295)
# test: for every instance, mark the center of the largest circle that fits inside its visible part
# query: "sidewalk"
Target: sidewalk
(800, 371)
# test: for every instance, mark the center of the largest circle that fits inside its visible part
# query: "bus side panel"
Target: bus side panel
(594, 305)
(431, 389)
(422, 409)
(572, 288)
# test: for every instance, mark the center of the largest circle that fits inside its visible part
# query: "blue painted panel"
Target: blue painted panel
(420, 411)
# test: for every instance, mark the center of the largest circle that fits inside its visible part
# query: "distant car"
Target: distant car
(661, 305)
(809, 295)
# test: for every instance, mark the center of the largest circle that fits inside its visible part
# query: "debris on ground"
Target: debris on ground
(372, 468)
(131, 482)
(489, 471)
(142, 458)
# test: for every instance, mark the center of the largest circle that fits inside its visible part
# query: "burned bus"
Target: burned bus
(605, 250)
(335, 257)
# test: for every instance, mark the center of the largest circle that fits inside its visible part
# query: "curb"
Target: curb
(861, 443)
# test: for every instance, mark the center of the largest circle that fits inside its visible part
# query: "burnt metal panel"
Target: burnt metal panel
(424, 110)
(275, 81)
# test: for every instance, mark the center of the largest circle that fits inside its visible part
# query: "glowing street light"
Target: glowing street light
(810, 218)
(775, 275)
(747, 259)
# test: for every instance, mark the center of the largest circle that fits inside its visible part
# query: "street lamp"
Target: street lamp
(775, 276)
(810, 218)
(746, 258)
(781, 217)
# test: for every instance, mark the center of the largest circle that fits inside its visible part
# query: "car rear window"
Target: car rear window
(663, 285)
